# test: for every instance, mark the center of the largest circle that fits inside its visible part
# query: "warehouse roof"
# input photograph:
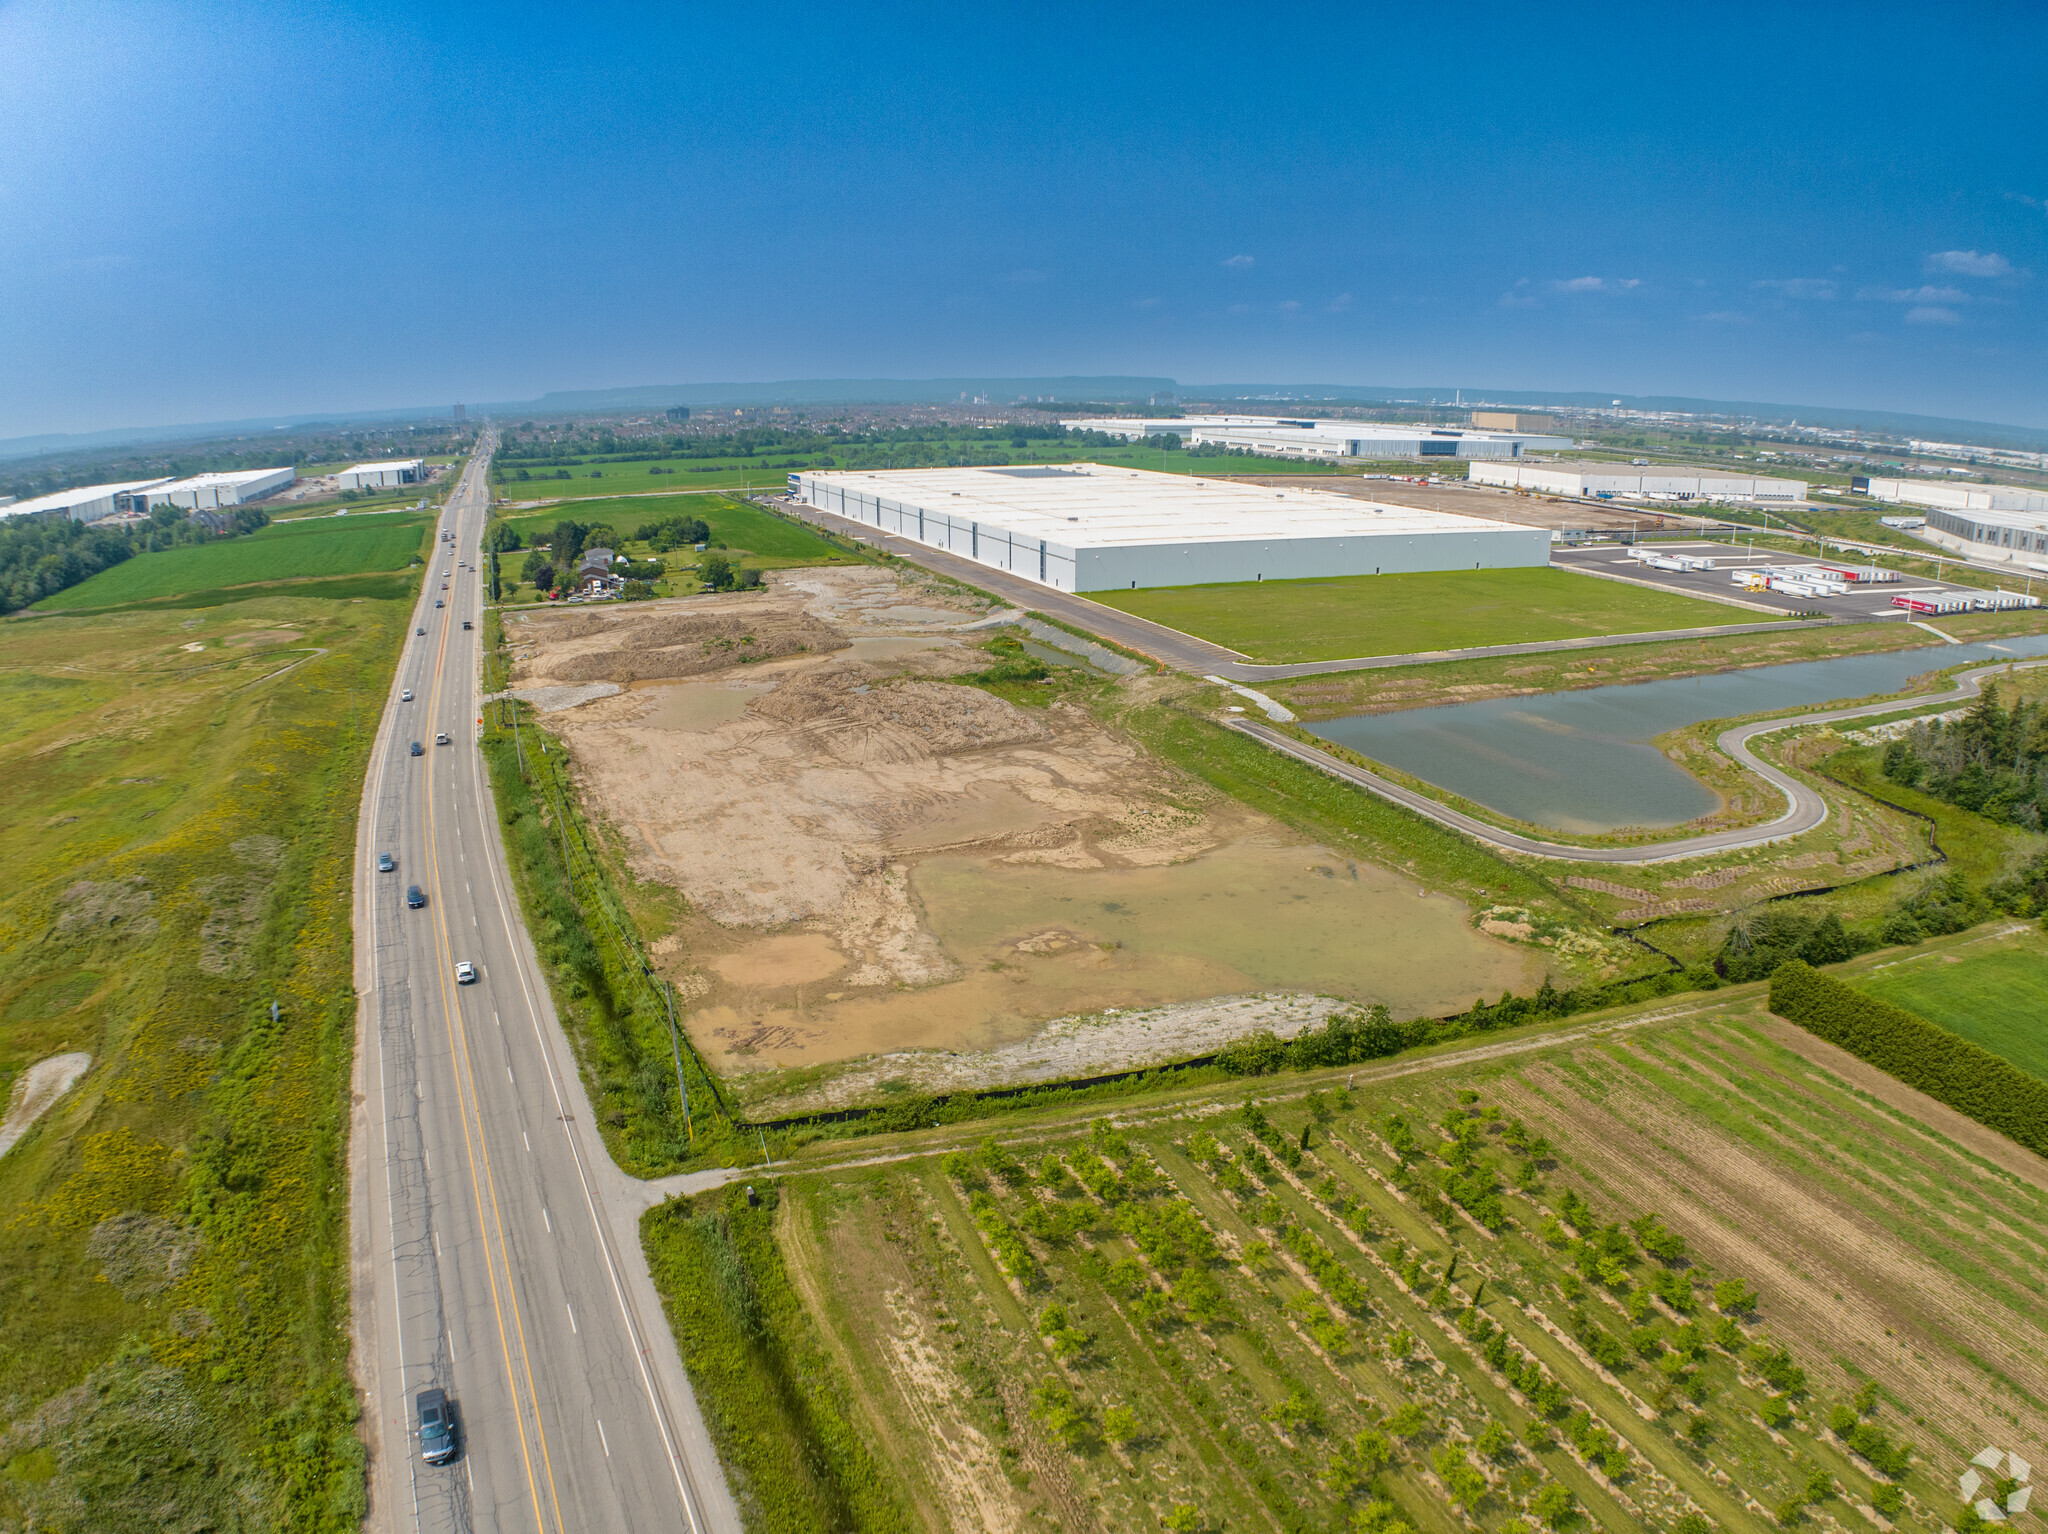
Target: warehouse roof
(387, 463)
(1639, 470)
(63, 500)
(224, 477)
(1090, 505)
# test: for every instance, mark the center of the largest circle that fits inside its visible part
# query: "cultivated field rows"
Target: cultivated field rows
(1627, 1285)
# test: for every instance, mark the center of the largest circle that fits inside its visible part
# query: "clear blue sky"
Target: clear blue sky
(219, 210)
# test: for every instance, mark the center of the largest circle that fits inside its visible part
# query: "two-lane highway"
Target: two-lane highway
(495, 1254)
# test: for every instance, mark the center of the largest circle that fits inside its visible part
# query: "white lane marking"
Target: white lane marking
(508, 1075)
(437, 1245)
(430, 1160)
(544, 1217)
(529, 1143)
(572, 1316)
(468, 1466)
(602, 1439)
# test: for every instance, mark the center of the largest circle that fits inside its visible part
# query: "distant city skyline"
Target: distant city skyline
(345, 207)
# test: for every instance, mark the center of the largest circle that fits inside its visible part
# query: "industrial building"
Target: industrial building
(89, 503)
(1913, 492)
(1089, 527)
(1513, 420)
(380, 476)
(1329, 441)
(1993, 534)
(210, 492)
(1611, 481)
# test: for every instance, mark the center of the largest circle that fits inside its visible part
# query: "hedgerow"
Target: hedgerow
(1944, 1065)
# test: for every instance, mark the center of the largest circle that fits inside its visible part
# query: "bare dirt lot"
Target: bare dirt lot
(879, 859)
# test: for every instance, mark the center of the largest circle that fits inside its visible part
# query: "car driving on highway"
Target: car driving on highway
(384, 863)
(414, 896)
(437, 1426)
(465, 972)
(406, 696)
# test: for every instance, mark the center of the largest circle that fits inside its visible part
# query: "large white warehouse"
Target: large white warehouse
(379, 476)
(210, 492)
(1301, 437)
(1914, 492)
(1089, 527)
(89, 503)
(1600, 481)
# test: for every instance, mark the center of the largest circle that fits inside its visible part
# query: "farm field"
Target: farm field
(182, 800)
(767, 541)
(1996, 997)
(283, 551)
(1280, 622)
(1653, 1274)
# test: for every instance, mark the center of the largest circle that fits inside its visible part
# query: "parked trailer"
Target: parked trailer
(1798, 588)
(2002, 601)
(1932, 604)
(1862, 574)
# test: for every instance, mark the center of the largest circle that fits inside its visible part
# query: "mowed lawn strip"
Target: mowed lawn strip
(1998, 1001)
(282, 551)
(1284, 622)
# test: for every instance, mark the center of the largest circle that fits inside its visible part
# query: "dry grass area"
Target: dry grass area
(880, 861)
(1624, 1277)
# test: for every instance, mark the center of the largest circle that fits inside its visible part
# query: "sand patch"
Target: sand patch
(36, 1091)
(263, 636)
(793, 958)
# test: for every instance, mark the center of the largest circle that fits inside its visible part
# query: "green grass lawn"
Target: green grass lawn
(282, 551)
(1280, 622)
(637, 479)
(764, 540)
(1996, 1000)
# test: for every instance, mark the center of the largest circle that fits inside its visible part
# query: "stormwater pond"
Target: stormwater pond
(1582, 762)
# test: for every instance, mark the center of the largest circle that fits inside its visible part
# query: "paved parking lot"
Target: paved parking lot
(1872, 602)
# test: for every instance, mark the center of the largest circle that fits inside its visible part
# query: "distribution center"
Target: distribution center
(1603, 481)
(1283, 437)
(377, 476)
(210, 492)
(89, 503)
(1089, 527)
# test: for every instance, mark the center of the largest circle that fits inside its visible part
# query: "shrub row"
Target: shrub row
(1946, 1067)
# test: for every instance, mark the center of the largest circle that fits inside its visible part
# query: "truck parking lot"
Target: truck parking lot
(1851, 599)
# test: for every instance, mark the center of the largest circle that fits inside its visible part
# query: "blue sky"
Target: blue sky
(245, 209)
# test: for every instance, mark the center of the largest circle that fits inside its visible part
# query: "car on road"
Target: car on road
(465, 972)
(406, 696)
(419, 631)
(413, 896)
(437, 1425)
(438, 603)
(385, 863)
(441, 738)
(418, 749)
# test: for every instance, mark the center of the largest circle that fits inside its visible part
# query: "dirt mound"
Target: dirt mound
(842, 709)
(142, 1255)
(688, 644)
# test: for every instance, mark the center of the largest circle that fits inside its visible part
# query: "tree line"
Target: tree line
(1993, 761)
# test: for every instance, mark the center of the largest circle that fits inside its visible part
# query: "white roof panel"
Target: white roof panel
(1091, 505)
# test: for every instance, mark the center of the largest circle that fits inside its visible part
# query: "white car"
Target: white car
(465, 972)
(406, 696)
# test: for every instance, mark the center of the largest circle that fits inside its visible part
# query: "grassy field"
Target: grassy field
(1997, 998)
(760, 538)
(1617, 1279)
(182, 798)
(1278, 622)
(283, 551)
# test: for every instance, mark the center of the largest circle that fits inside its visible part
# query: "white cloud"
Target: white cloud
(1797, 287)
(1969, 263)
(1240, 263)
(1921, 295)
(1518, 296)
(1290, 305)
(1594, 284)
(1725, 317)
(1931, 315)
(1239, 309)
(1148, 303)
(1342, 303)
(1027, 276)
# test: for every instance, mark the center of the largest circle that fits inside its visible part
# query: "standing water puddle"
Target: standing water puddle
(1581, 761)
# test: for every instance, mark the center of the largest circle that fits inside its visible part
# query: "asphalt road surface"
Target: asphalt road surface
(494, 1242)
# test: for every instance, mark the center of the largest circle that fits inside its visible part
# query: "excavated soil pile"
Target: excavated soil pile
(682, 644)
